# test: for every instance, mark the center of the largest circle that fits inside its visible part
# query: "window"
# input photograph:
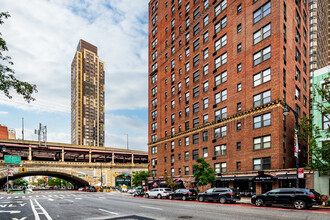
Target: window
(187, 52)
(261, 12)
(262, 120)
(239, 28)
(239, 67)
(172, 118)
(154, 115)
(195, 138)
(304, 101)
(261, 164)
(261, 142)
(298, 55)
(221, 78)
(205, 36)
(196, 29)
(186, 170)
(220, 167)
(154, 79)
(196, 107)
(239, 87)
(186, 155)
(304, 84)
(220, 114)
(196, 60)
(261, 34)
(298, 36)
(297, 93)
(154, 43)
(195, 154)
(262, 98)
(205, 69)
(205, 103)
(187, 67)
(220, 7)
(187, 111)
(220, 132)
(220, 60)
(173, 23)
(154, 55)
(206, 4)
(154, 150)
(154, 31)
(298, 110)
(239, 106)
(325, 122)
(297, 74)
(239, 8)
(172, 145)
(172, 171)
(206, 20)
(195, 122)
(298, 19)
(239, 47)
(154, 173)
(238, 165)
(221, 96)
(186, 141)
(261, 55)
(206, 53)
(220, 150)
(154, 126)
(196, 44)
(205, 152)
(220, 25)
(205, 136)
(205, 86)
(284, 32)
(261, 77)
(238, 146)
(187, 38)
(239, 126)
(222, 41)
(196, 13)
(154, 91)
(205, 119)
(196, 76)
(187, 97)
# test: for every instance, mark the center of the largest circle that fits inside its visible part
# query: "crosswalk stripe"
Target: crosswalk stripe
(9, 197)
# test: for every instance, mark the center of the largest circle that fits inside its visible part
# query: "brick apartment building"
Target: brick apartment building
(220, 73)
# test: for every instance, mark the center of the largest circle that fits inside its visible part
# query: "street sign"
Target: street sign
(10, 173)
(301, 173)
(12, 159)
(143, 182)
(94, 177)
(81, 175)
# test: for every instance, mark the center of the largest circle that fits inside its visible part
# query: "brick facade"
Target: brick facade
(239, 16)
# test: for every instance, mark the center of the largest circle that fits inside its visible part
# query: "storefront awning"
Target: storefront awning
(290, 176)
(234, 178)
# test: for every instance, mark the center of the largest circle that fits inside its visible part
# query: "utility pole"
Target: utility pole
(23, 128)
(41, 131)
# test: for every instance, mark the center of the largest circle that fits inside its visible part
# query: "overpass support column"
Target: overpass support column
(132, 158)
(113, 157)
(62, 155)
(30, 154)
(90, 156)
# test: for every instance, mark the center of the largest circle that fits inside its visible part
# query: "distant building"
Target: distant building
(3, 132)
(87, 96)
(11, 134)
(321, 182)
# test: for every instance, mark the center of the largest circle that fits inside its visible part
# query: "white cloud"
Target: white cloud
(42, 37)
(3, 113)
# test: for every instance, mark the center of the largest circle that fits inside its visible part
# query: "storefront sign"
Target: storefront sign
(301, 173)
(263, 178)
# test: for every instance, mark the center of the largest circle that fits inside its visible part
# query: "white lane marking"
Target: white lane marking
(34, 211)
(16, 197)
(30, 196)
(44, 211)
(1, 197)
(78, 198)
(101, 198)
(149, 207)
(51, 199)
(69, 200)
(9, 197)
(19, 219)
(11, 212)
(37, 196)
(23, 197)
(114, 213)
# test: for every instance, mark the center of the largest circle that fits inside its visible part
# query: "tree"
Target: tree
(19, 182)
(169, 181)
(311, 133)
(139, 176)
(7, 79)
(41, 182)
(203, 174)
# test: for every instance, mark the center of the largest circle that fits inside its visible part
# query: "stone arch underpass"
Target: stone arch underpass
(76, 181)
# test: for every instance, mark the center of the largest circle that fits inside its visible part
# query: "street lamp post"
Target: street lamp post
(286, 112)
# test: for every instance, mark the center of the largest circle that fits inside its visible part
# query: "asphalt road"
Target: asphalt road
(81, 205)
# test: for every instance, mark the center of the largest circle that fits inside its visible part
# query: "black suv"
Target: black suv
(223, 195)
(293, 197)
(184, 194)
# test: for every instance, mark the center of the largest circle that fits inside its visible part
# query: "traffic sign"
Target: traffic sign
(81, 175)
(12, 159)
(301, 173)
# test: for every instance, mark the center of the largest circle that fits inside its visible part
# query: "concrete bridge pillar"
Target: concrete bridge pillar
(90, 156)
(113, 157)
(132, 159)
(62, 155)
(30, 154)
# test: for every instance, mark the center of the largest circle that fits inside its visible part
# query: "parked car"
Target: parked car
(223, 195)
(184, 194)
(158, 192)
(298, 198)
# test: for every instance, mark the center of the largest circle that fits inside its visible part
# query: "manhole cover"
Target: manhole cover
(185, 217)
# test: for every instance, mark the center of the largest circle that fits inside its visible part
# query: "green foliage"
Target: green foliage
(19, 182)
(7, 79)
(169, 181)
(204, 173)
(311, 133)
(139, 176)
(57, 182)
(41, 182)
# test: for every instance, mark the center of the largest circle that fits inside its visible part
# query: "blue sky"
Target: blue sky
(42, 37)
